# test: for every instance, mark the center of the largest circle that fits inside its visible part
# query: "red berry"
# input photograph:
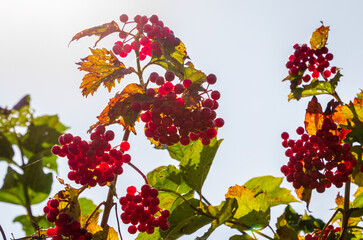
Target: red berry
(215, 95)
(187, 83)
(124, 146)
(124, 18)
(211, 79)
(132, 229)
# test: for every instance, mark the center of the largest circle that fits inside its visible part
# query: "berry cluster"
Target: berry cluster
(315, 60)
(327, 232)
(64, 226)
(140, 209)
(92, 162)
(317, 161)
(151, 35)
(169, 119)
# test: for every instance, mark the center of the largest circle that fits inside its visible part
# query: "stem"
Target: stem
(336, 96)
(327, 224)
(346, 210)
(25, 188)
(93, 213)
(111, 192)
(2, 232)
(118, 222)
(139, 70)
(139, 171)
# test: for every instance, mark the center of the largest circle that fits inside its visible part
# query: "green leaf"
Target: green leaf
(271, 186)
(253, 210)
(297, 222)
(38, 183)
(169, 182)
(177, 151)
(87, 206)
(185, 220)
(12, 190)
(39, 139)
(316, 88)
(286, 233)
(197, 161)
(244, 236)
(28, 228)
(51, 163)
(223, 213)
(6, 149)
(51, 121)
(155, 236)
(34, 180)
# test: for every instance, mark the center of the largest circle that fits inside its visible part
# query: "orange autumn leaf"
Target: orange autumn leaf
(314, 116)
(319, 37)
(103, 67)
(101, 31)
(344, 113)
(118, 109)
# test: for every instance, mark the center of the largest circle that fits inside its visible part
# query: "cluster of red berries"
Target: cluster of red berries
(317, 161)
(140, 209)
(64, 226)
(151, 35)
(315, 60)
(92, 162)
(326, 233)
(169, 119)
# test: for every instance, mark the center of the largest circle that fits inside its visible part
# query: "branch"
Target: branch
(2, 232)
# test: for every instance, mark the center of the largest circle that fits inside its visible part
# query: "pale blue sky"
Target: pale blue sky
(245, 43)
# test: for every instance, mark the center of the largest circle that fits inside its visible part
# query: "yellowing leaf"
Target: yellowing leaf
(314, 116)
(102, 67)
(339, 200)
(304, 194)
(102, 234)
(319, 37)
(344, 113)
(101, 31)
(118, 109)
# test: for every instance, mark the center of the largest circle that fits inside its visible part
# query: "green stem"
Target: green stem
(25, 188)
(111, 192)
(336, 96)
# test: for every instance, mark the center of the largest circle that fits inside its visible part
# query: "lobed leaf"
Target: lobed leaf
(103, 67)
(271, 186)
(101, 31)
(197, 161)
(99, 233)
(314, 116)
(184, 220)
(319, 37)
(6, 149)
(312, 89)
(118, 109)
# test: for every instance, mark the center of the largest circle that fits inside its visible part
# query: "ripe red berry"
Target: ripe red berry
(215, 95)
(124, 18)
(124, 146)
(211, 79)
(169, 76)
(187, 83)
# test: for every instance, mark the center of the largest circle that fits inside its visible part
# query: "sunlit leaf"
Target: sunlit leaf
(68, 202)
(146, 236)
(197, 161)
(253, 209)
(271, 186)
(172, 59)
(103, 67)
(314, 116)
(178, 150)
(118, 109)
(344, 113)
(319, 37)
(312, 89)
(101, 31)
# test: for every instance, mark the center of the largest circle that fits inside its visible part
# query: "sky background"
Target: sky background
(245, 43)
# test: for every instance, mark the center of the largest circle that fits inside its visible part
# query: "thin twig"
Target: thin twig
(2, 232)
(327, 224)
(139, 171)
(93, 213)
(346, 210)
(118, 221)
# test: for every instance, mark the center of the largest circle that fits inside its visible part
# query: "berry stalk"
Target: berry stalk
(111, 192)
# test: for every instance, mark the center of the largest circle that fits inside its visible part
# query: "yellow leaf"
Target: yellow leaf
(103, 67)
(344, 113)
(339, 200)
(319, 37)
(102, 234)
(304, 194)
